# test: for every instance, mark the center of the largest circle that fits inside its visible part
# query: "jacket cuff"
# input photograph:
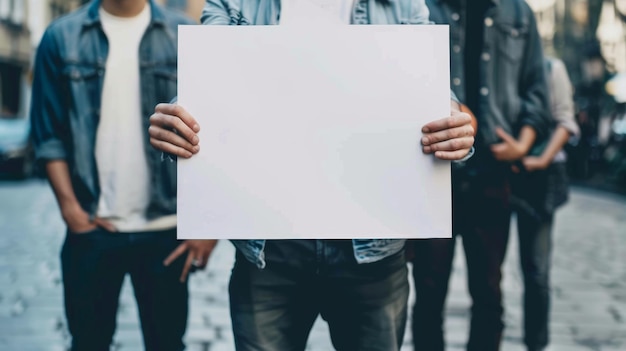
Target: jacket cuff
(50, 150)
(167, 157)
(467, 157)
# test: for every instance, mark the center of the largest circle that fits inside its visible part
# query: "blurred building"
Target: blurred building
(15, 54)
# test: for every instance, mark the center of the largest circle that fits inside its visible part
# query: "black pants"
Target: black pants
(273, 309)
(94, 265)
(481, 214)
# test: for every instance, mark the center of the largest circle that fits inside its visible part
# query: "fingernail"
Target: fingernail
(188, 154)
(196, 149)
(196, 128)
(195, 139)
(426, 130)
(427, 149)
(424, 140)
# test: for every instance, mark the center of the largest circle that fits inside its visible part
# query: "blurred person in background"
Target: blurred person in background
(498, 72)
(543, 188)
(98, 73)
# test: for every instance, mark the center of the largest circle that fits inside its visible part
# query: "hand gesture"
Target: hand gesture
(198, 253)
(78, 221)
(509, 149)
(174, 130)
(449, 138)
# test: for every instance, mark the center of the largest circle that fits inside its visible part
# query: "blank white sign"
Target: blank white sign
(313, 132)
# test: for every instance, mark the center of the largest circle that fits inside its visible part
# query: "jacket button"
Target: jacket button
(456, 49)
(455, 16)
(488, 22)
(456, 81)
(486, 56)
(484, 91)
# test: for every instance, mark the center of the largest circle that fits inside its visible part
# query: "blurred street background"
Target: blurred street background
(589, 263)
(589, 282)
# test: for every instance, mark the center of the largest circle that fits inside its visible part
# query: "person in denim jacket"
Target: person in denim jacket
(278, 288)
(497, 70)
(98, 73)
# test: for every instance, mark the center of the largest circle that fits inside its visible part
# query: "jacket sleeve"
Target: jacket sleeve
(562, 101)
(533, 89)
(419, 12)
(215, 12)
(48, 115)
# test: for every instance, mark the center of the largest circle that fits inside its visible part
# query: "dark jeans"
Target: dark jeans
(535, 249)
(94, 265)
(274, 308)
(481, 214)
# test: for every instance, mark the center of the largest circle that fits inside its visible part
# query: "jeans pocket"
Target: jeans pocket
(84, 234)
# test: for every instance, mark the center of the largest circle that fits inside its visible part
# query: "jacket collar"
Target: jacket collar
(93, 14)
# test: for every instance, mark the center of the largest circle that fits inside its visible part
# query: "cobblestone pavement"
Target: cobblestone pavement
(589, 282)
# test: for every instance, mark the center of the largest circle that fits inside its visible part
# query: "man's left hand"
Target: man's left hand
(449, 138)
(198, 253)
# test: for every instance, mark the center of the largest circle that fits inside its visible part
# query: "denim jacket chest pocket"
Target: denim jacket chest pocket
(512, 40)
(84, 85)
(161, 78)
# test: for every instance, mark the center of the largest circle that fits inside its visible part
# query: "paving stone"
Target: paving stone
(588, 277)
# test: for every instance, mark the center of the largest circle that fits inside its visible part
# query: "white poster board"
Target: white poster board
(313, 132)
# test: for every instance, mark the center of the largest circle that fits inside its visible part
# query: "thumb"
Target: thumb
(505, 136)
(105, 224)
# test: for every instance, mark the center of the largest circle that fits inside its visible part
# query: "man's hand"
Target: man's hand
(198, 255)
(77, 220)
(450, 138)
(509, 149)
(174, 130)
(532, 163)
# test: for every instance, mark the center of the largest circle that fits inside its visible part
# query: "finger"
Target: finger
(452, 155)
(170, 148)
(204, 258)
(499, 148)
(450, 145)
(186, 268)
(174, 122)
(506, 137)
(108, 226)
(175, 254)
(456, 120)
(448, 134)
(161, 134)
(180, 112)
(83, 229)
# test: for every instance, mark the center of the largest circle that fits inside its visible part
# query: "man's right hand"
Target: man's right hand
(173, 130)
(78, 222)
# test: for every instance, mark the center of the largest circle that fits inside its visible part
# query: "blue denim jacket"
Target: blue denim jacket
(267, 12)
(67, 90)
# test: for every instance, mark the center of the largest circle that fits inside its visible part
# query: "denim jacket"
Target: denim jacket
(511, 65)
(267, 12)
(67, 90)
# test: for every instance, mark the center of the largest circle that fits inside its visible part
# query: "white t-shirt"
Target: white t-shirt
(120, 147)
(294, 11)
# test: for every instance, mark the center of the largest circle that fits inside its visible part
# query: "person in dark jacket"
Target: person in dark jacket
(498, 72)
